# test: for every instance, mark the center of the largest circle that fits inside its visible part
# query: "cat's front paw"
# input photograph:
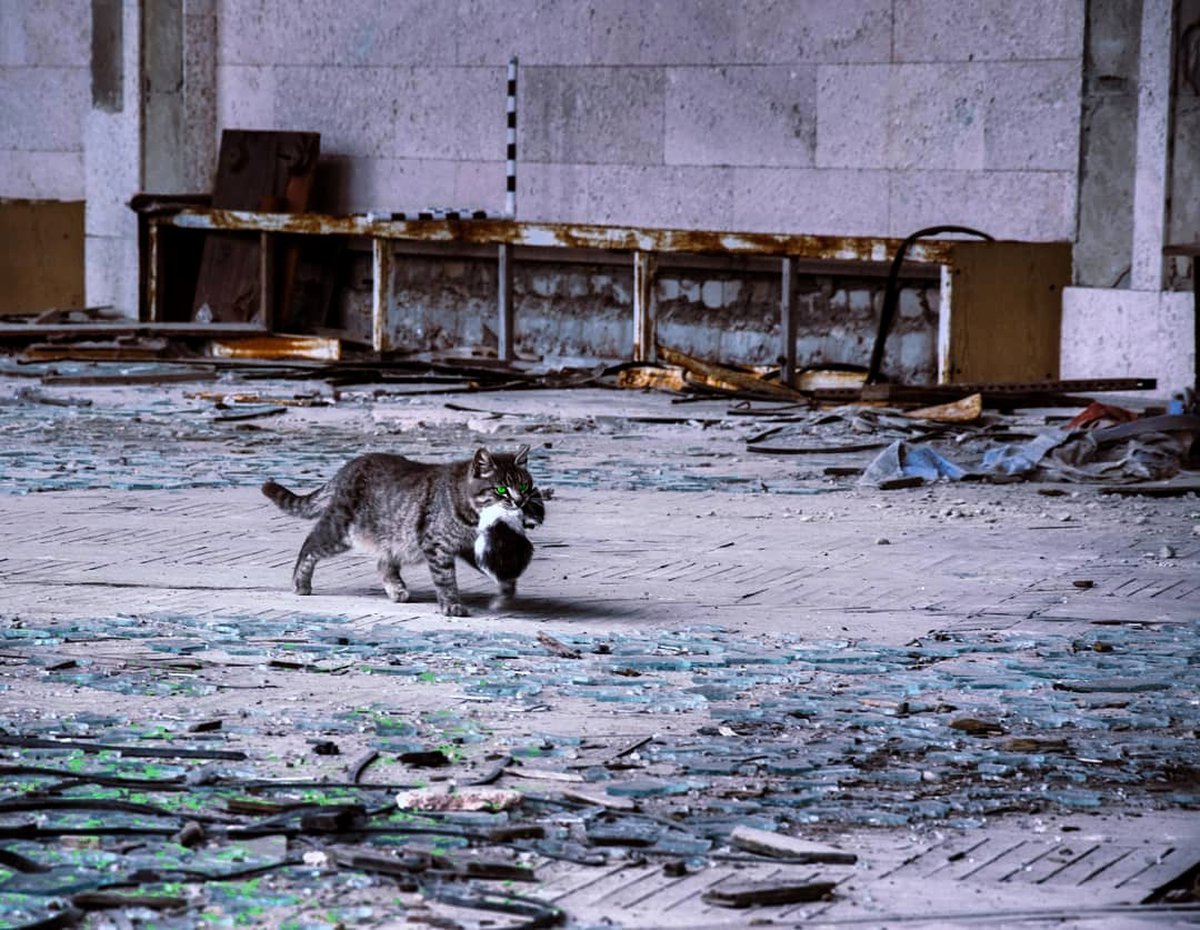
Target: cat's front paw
(302, 588)
(453, 609)
(503, 599)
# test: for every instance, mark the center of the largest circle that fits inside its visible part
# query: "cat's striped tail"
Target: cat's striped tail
(308, 506)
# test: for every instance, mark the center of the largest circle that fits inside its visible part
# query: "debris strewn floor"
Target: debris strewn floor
(957, 702)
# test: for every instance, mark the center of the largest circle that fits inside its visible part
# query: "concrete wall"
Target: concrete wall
(852, 117)
(1140, 171)
(44, 96)
(1113, 333)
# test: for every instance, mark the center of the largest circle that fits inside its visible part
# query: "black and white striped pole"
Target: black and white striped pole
(510, 155)
(505, 349)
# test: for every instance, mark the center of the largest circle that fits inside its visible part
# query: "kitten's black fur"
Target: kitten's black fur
(405, 510)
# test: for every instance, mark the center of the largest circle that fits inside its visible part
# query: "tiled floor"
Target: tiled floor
(989, 695)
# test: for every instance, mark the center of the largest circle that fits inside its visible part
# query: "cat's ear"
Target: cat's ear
(483, 465)
(521, 457)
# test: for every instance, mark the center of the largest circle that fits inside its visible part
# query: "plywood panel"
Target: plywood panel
(1005, 311)
(256, 170)
(41, 255)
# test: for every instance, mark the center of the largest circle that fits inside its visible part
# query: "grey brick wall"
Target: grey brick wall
(44, 97)
(822, 116)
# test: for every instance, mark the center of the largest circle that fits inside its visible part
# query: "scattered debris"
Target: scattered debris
(653, 377)
(780, 846)
(976, 727)
(275, 348)
(764, 893)
(477, 799)
(599, 799)
(725, 379)
(557, 647)
(902, 461)
(967, 410)
(425, 758)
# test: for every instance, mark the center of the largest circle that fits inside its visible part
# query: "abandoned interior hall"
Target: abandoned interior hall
(647, 464)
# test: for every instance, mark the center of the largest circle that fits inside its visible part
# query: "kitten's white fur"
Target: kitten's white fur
(489, 516)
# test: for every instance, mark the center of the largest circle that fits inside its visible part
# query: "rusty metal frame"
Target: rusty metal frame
(381, 293)
(504, 289)
(787, 321)
(644, 244)
(619, 238)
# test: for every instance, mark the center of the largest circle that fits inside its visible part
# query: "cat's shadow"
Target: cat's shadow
(534, 606)
(548, 608)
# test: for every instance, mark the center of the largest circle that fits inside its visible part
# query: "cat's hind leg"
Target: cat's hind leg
(393, 584)
(326, 539)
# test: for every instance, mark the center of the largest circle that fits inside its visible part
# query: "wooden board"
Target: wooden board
(1005, 311)
(256, 170)
(41, 261)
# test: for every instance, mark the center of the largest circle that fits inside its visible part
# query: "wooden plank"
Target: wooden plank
(725, 378)
(1005, 311)
(256, 170)
(315, 348)
(41, 262)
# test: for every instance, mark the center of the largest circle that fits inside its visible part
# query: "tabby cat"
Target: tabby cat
(404, 511)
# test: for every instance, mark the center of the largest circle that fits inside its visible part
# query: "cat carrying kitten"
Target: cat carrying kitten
(404, 511)
(502, 550)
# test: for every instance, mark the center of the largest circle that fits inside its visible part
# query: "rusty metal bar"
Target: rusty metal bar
(644, 342)
(154, 271)
(505, 296)
(266, 279)
(787, 321)
(945, 361)
(559, 235)
(381, 293)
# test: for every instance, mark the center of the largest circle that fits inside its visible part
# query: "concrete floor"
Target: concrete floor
(989, 695)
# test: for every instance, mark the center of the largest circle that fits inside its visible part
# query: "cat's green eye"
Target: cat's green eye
(524, 488)
(501, 490)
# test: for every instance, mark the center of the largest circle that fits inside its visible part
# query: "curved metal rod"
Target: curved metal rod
(891, 291)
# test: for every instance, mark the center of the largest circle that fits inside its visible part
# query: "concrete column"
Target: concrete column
(198, 160)
(112, 156)
(152, 127)
(1153, 126)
